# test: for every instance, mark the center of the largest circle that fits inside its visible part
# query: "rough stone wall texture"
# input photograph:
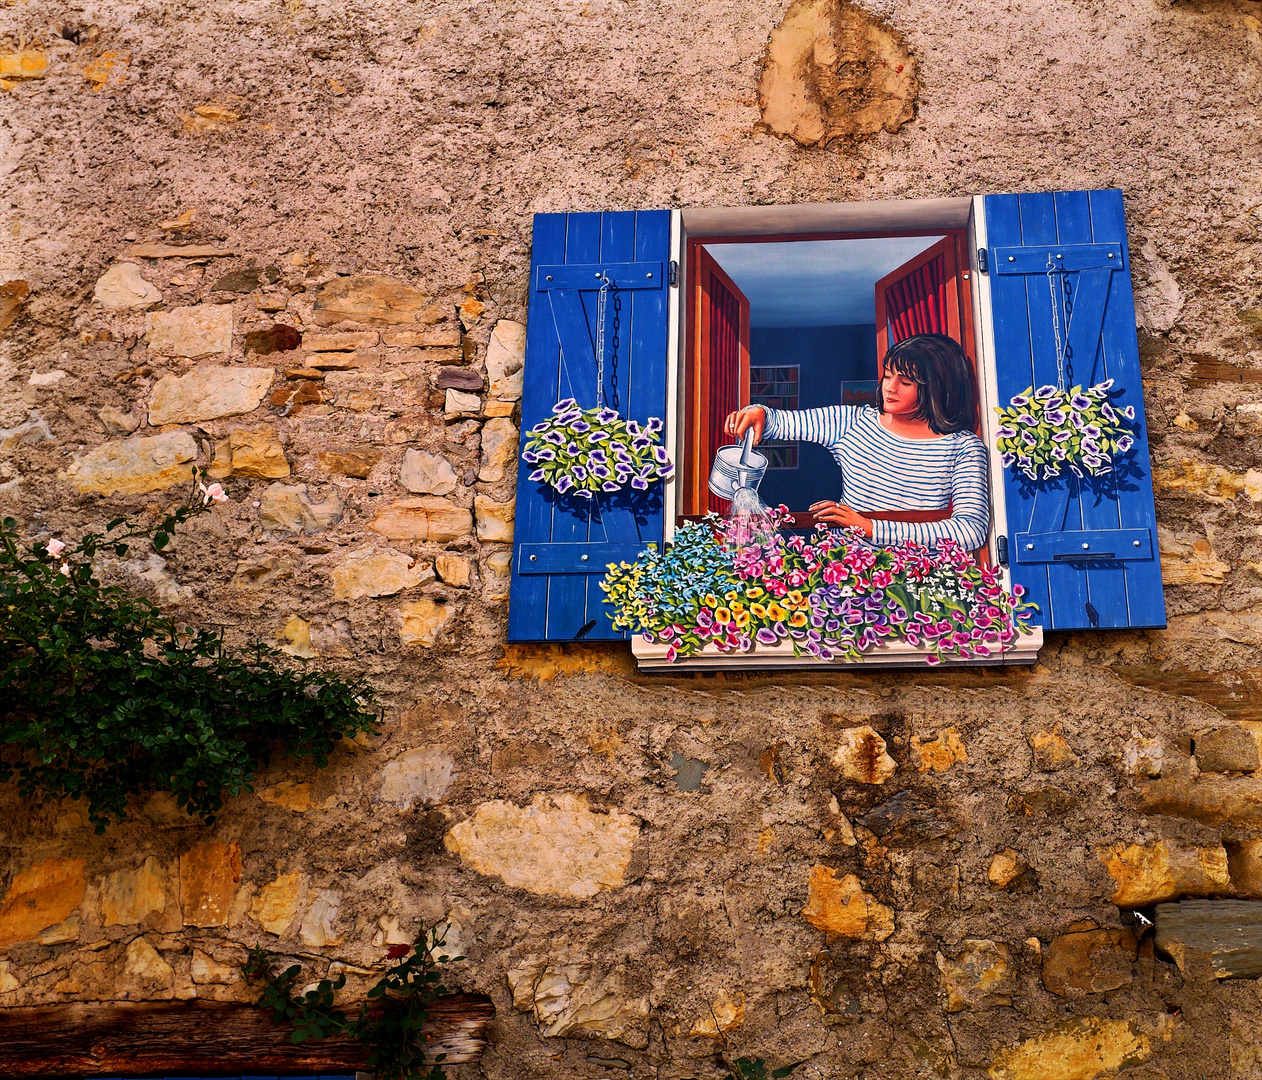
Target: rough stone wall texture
(637, 867)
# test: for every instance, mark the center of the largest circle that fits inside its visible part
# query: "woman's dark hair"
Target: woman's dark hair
(946, 388)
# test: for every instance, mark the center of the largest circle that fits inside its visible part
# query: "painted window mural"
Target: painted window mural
(896, 433)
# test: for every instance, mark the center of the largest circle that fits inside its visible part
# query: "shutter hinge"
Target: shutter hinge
(1001, 550)
(983, 266)
(672, 274)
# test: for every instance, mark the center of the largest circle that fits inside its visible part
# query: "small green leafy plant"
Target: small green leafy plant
(105, 697)
(1048, 431)
(756, 1069)
(390, 1023)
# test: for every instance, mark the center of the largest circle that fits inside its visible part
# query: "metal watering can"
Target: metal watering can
(737, 467)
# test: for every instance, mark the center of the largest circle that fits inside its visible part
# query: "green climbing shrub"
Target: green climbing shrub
(390, 1023)
(103, 697)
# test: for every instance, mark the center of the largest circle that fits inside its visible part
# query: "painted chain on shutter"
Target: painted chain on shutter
(1087, 552)
(562, 544)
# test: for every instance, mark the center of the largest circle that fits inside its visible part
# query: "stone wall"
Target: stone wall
(903, 874)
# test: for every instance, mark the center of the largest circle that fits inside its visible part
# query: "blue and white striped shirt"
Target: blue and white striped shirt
(884, 472)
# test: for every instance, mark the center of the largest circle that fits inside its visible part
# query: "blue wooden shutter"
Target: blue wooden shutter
(1086, 551)
(562, 545)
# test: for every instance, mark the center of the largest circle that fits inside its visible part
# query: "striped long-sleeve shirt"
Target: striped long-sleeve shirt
(884, 472)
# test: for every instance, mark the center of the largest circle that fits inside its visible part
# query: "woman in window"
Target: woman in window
(912, 469)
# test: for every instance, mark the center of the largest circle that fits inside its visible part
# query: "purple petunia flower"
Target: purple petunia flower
(1027, 420)
(1056, 416)
(529, 457)
(601, 471)
(1080, 402)
(1129, 412)
(638, 484)
(598, 457)
(659, 455)
(610, 485)
(564, 484)
(1045, 393)
(547, 455)
(1125, 443)
(580, 426)
(1062, 436)
(555, 438)
(1009, 459)
(537, 475)
(1020, 401)
(1006, 432)
(653, 426)
(598, 436)
(564, 406)
(578, 472)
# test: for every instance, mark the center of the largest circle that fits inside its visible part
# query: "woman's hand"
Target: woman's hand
(752, 416)
(840, 514)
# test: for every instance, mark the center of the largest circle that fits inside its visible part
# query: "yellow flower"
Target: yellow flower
(795, 598)
(742, 619)
(722, 616)
(758, 610)
(798, 618)
(730, 596)
(710, 600)
(776, 612)
(753, 593)
(737, 607)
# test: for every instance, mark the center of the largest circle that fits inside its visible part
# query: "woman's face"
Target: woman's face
(899, 394)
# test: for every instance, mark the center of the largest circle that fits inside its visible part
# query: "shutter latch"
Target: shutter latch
(672, 274)
(983, 267)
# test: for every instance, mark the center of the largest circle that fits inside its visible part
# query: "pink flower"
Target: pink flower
(65, 570)
(55, 548)
(215, 492)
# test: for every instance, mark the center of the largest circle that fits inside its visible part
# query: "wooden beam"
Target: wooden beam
(1227, 932)
(204, 1038)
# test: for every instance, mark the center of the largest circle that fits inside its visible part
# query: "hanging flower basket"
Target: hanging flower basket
(582, 452)
(1049, 431)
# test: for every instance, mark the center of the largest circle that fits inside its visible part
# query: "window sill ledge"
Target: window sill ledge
(650, 656)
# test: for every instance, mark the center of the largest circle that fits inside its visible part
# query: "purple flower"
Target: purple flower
(597, 457)
(573, 449)
(528, 457)
(1009, 459)
(1062, 436)
(638, 484)
(640, 444)
(1092, 430)
(766, 635)
(653, 426)
(1106, 385)
(1080, 402)
(564, 406)
(606, 416)
(601, 472)
(555, 438)
(1020, 401)
(1106, 410)
(579, 426)
(659, 455)
(633, 427)
(1129, 412)
(1006, 432)
(1029, 439)
(610, 485)
(597, 436)
(547, 455)
(1027, 420)
(578, 472)
(1125, 443)
(537, 475)
(539, 428)
(1056, 416)
(1059, 453)
(564, 484)
(1045, 393)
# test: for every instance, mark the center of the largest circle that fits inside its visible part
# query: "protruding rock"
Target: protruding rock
(423, 620)
(144, 962)
(276, 904)
(1227, 749)
(457, 378)
(122, 286)
(495, 519)
(39, 897)
(250, 453)
(206, 970)
(833, 70)
(1080, 1049)
(288, 508)
(1141, 756)
(204, 330)
(346, 342)
(135, 466)
(427, 474)
(569, 998)
(454, 569)
(1006, 868)
(726, 1013)
(319, 924)
(207, 393)
(296, 635)
(372, 299)
(461, 403)
(505, 357)
(499, 450)
(424, 518)
(288, 795)
(128, 896)
(556, 846)
(115, 421)
(1051, 751)
(939, 753)
(418, 777)
(1147, 874)
(861, 756)
(209, 875)
(838, 905)
(498, 574)
(422, 339)
(378, 573)
(1090, 961)
(978, 977)
(354, 463)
